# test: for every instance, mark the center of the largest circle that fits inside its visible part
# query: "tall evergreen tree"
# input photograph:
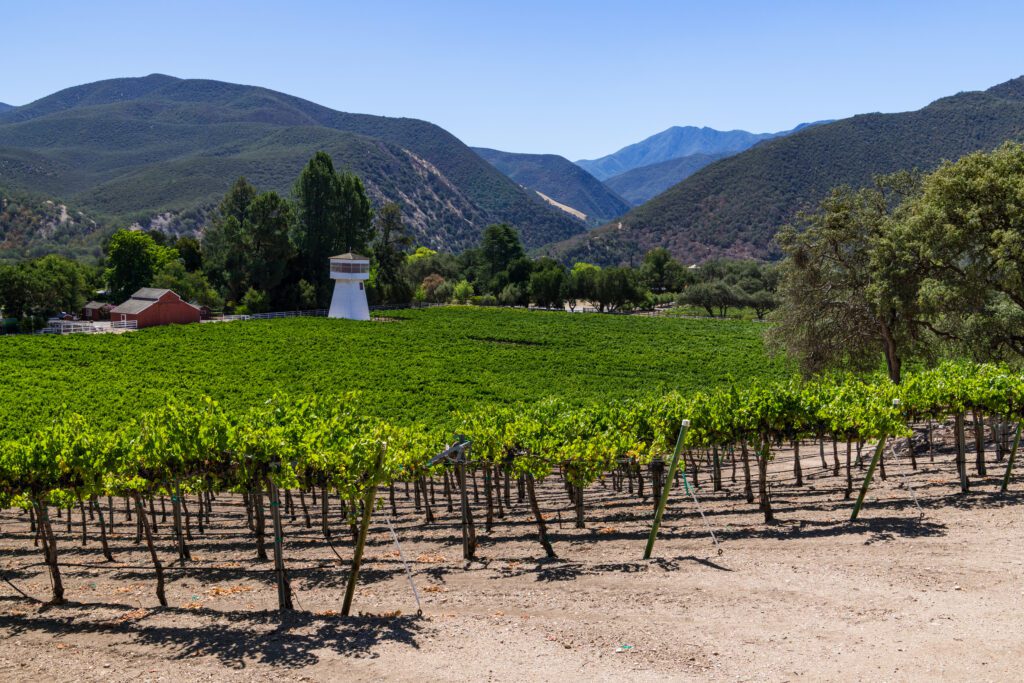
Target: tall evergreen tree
(268, 248)
(389, 253)
(334, 215)
(224, 254)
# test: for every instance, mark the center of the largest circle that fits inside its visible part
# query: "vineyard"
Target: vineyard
(282, 483)
(419, 367)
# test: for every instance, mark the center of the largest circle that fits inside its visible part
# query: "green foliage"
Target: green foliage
(329, 442)
(190, 286)
(45, 286)
(463, 358)
(133, 260)
(956, 254)
(255, 301)
(462, 291)
(841, 305)
(389, 254)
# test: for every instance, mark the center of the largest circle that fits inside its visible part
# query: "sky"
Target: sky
(580, 79)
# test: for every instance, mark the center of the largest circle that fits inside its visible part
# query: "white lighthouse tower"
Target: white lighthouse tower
(349, 271)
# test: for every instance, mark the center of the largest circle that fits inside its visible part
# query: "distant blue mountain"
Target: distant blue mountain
(5, 107)
(674, 143)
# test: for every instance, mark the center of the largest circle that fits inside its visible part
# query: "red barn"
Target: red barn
(150, 307)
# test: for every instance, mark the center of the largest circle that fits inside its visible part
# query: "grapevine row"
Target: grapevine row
(316, 442)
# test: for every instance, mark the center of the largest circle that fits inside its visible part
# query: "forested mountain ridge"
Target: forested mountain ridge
(639, 185)
(134, 148)
(5, 107)
(735, 206)
(560, 179)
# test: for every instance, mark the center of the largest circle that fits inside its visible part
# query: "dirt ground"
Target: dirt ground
(810, 597)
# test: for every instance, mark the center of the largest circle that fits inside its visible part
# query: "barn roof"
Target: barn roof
(133, 305)
(95, 305)
(143, 299)
(150, 293)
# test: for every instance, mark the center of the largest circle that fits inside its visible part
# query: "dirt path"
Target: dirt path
(811, 597)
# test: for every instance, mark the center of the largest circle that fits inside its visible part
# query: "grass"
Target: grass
(421, 366)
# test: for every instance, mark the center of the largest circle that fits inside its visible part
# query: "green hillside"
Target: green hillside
(646, 182)
(735, 206)
(560, 179)
(130, 149)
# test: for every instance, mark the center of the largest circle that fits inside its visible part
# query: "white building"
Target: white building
(349, 272)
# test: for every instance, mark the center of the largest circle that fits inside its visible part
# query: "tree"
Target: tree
(190, 252)
(463, 291)
(190, 286)
(255, 301)
(334, 216)
(582, 284)
(499, 248)
(223, 245)
(133, 259)
(839, 304)
(389, 255)
(615, 288)
(762, 301)
(266, 240)
(714, 297)
(661, 273)
(961, 241)
(547, 284)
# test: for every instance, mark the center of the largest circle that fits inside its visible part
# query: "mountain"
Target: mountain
(734, 207)
(5, 107)
(559, 179)
(676, 142)
(640, 184)
(162, 151)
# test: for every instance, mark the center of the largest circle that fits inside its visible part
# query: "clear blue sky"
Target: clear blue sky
(579, 79)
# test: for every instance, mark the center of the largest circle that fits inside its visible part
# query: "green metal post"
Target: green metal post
(1009, 462)
(867, 477)
(665, 489)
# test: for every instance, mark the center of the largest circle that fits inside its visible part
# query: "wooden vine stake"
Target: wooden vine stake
(468, 530)
(666, 487)
(357, 558)
(284, 589)
(1009, 461)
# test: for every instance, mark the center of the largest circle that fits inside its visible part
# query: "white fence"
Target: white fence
(316, 313)
(82, 327)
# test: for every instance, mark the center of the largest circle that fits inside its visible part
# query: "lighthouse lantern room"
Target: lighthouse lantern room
(349, 272)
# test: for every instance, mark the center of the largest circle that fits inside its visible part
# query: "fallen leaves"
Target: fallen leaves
(132, 615)
(431, 558)
(217, 591)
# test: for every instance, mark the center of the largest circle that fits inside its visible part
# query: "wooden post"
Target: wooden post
(961, 451)
(1009, 461)
(357, 557)
(468, 531)
(666, 487)
(284, 591)
(867, 477)
(152, 550)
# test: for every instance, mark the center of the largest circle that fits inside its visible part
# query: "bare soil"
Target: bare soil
(812, 596)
